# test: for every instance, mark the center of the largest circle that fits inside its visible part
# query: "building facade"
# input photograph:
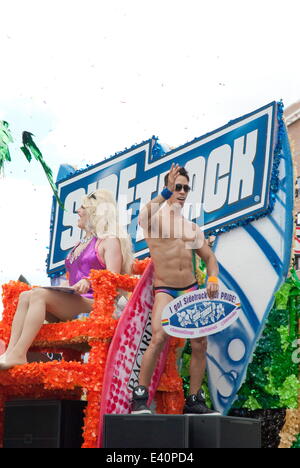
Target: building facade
(292, 119)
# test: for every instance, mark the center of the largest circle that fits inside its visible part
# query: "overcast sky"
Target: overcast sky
(91, 78)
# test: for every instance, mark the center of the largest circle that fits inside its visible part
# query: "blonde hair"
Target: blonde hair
(103, 221)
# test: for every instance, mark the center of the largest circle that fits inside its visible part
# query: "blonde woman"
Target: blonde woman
(105, 245)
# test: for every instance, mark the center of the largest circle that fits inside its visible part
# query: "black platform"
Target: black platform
(43, 424)
(180, 431)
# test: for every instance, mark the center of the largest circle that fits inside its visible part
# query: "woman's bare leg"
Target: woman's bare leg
(61, 305)
(18, 322)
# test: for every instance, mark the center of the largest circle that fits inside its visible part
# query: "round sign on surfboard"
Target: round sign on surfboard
(194, 314)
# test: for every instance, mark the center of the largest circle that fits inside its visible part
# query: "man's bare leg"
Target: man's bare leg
(198, 364)
(158, 340)
(195, 402)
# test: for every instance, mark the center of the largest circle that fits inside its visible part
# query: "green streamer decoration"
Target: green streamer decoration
(296, 444)
(282, 296)
(252, 403)
(272, 378)
(30, 149)
(5, 139)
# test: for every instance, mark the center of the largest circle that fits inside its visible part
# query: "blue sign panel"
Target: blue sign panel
(229, 173)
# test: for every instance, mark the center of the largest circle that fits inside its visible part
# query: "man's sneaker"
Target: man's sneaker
(139, 401)
(195, 404)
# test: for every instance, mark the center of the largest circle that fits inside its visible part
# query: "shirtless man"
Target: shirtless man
(171, 239)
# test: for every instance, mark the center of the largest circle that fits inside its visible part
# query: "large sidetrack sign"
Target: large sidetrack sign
(229, 171)
(243, 188)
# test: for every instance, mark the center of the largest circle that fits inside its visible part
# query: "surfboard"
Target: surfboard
(2, 347)
(130, 341)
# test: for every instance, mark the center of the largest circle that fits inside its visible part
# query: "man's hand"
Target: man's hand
(210, 260)
(82, 286)
(212, 290)
(174, 172)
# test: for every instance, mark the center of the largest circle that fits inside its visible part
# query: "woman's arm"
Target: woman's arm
(112, 254)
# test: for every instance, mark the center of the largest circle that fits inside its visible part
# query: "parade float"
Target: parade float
(242, 194)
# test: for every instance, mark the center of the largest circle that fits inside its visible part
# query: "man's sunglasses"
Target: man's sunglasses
(179, 187)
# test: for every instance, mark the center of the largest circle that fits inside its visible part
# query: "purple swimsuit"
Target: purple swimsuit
(88, 260)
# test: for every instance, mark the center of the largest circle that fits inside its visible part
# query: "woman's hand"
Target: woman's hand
(82, 286)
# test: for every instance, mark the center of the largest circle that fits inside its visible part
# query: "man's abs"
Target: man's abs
(173, 265)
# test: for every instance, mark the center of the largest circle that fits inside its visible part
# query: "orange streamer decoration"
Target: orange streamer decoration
(66, 379)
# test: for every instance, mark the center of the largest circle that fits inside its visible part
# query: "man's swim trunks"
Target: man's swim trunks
(176, 292)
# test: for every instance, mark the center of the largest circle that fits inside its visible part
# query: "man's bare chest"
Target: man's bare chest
(173, 227)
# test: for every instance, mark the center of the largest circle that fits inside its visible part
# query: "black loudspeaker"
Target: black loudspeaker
(180, 431)
(146, 431)
(223, 432)
(43, 424)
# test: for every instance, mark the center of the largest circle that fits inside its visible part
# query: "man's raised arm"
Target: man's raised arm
(152, 207)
